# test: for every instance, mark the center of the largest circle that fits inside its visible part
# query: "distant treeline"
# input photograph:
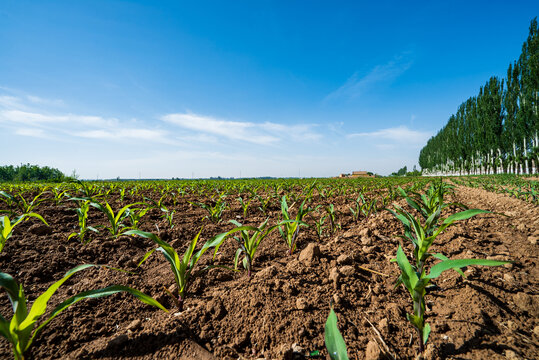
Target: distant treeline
(497, 130)
(29, 172)
(404, 172)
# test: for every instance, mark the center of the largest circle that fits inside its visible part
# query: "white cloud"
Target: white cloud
(43, 101)
(357, 85)
(139, 134)
(32, 132)
(15, 113)
(7, 101)
(397, 134)
(36, 118)
(264, 133)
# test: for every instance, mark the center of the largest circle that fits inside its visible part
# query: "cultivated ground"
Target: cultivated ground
(280, 312)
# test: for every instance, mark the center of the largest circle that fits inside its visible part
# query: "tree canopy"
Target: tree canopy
(497, 130)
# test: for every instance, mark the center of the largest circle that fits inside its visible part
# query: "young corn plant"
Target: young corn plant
(169, 215)
(356, 210)
(368, 207)
(116, 226)
(264, 204)
(181, 268)
(290, 227)
(6, 226)
(82, 214)
(332, 216)
(248, 244)
(21, 330)
(58, 194)
(135, 215)
(9, 200)
(244, 206)
(319, 226)
(414, 276)
(215, 211)
(29, 206)
(334, 341)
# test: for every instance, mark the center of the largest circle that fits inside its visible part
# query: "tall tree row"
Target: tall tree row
(496, 131)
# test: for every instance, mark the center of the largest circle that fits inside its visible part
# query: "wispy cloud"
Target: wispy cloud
(50, 102)
(28, 116)
(137, 134)
(401, 134)
(357, 85)
(266, 133)
(37, 133)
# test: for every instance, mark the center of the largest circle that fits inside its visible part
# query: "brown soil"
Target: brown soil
(280, 312)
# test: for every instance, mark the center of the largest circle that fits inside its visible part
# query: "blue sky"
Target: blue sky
(251, 88)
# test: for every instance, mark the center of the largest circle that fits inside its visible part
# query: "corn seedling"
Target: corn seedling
(368, 207)
(19, 331)
(182, 269)
(58, 195)
(116, 227)
(264, 203)
(215, 211)
(167, 214)
(28, 207)
(290, 228)
(334, 341)
(135, 215)
(414, 277)
(319, 226)
(8, 199)
(82, 214)
(244, 206)
(248, 244)
(6, 226)
(89, 190)
(356, 210)
(332, 216)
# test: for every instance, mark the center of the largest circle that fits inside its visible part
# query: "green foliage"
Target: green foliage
(82, 214)
(215, 210)
(116, 226)
(332, 216)
(497, 130)
(422, 235)
(289, 228)
(181, 268)
(19, 331)
(334, 341)
(248, 244)
(27, 172)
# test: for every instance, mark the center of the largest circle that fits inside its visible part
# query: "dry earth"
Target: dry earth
(280, 312)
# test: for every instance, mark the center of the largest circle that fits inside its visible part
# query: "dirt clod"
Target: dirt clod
(310, 254)
(373, 351)
(301, 303)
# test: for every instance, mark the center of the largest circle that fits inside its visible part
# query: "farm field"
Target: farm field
(342, 258)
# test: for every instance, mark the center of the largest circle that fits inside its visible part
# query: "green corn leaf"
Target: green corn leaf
(11, 286)
(146, 256)
(415, 320)
(463, 215)
(443, 258)
(37, 216)
(409, 276)
(439, 268)
(426, 332)
(334, 341)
